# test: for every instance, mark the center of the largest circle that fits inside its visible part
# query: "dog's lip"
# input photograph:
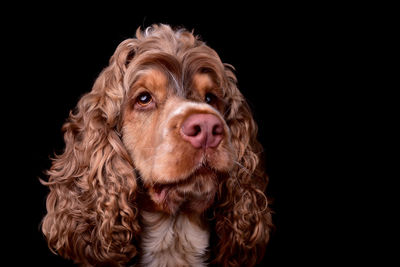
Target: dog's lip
(160, 193)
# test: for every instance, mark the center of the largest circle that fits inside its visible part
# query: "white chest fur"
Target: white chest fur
(172, 241)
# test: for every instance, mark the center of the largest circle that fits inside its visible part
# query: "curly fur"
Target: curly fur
(93, 215)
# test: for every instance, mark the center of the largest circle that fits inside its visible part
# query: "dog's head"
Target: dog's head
(173, 124)
(165, 122)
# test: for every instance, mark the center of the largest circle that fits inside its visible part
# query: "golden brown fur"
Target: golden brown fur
(123, 157)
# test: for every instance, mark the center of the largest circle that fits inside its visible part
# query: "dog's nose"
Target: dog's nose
(203, 130)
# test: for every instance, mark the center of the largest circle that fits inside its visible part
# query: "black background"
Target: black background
(289, 63)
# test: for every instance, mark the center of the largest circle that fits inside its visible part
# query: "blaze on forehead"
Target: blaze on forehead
(179, 70)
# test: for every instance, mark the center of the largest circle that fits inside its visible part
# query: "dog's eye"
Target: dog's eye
(144, 99)
(210, 98)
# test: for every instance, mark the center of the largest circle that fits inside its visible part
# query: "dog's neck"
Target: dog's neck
(167, 240)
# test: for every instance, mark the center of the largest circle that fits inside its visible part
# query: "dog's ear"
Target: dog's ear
(91, 211)
(243, 219)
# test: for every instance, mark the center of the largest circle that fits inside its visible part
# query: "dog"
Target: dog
(161, 165)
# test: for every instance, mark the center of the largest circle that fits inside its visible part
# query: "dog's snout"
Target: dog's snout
(203, 130)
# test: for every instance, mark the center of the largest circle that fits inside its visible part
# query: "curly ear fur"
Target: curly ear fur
(91, 213)
(243, 219)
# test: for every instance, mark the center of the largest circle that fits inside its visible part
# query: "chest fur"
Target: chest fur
(173, 240)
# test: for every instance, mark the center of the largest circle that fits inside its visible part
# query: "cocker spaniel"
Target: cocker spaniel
(161, 165)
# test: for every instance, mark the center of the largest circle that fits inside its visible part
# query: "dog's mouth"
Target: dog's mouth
(195, 193)
(161, 189)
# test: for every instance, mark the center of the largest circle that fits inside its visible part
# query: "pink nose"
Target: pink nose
(203, 130)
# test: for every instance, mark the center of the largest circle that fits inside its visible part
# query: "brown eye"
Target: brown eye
(144, 99)
(210, 98)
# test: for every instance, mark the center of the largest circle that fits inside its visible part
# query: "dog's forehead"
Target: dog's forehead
(164, 82)
(193, 69)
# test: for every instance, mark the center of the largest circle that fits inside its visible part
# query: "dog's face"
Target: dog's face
(178, 139)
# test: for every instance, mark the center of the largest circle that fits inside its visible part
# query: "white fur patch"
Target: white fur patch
(182, 108)
(172, 241)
